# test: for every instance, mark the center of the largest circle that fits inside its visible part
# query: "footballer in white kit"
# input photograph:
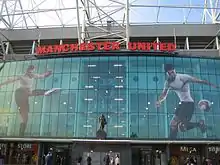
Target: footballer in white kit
(180, 84)
(26, 90)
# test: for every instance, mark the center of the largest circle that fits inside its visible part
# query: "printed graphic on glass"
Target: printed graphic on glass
(141, 97)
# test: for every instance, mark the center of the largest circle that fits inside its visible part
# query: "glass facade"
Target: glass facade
(124, 89)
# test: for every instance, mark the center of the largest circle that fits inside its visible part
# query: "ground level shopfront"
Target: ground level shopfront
(34, 153)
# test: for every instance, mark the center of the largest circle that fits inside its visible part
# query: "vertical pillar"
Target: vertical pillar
(217, 42)
(7, 48)
(78, 21)
(127, 24)
(83, 32)
(40, 153)
(166, 115)
(158, 40)
(33, 47)
(201, 97)
(168, 151)
(187, 43)
(61, 42)
(128, 115)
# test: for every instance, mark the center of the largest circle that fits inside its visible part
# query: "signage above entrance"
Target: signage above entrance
(105, 46)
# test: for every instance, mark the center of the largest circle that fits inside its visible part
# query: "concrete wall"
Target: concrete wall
(135, 31)
(200, 53)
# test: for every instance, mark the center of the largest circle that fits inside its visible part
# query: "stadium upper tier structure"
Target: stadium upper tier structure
(141, 89)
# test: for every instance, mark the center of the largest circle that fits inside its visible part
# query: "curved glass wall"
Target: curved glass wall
(124, 89)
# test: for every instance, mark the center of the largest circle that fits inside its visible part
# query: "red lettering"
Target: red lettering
(148, 45)
(107, 46)
(141, 46)
(132, 46)
(90, 46)
(154, 44)
(58, 48)
(171, 47)
(99, 45)
(41, 50)
(83, 47)
(163, 47)
(61, 48)
(50, 49)
(115, 45)
(66, 47)
(74, 47)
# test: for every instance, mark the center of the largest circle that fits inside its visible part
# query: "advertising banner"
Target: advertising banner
(141, 97)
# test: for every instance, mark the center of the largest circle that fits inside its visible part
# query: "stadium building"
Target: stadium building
(57, 96)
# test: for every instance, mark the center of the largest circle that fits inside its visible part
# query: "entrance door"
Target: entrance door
(150, 155)
(56, 154)
(146, 158)
(101, 154)
(100, 158)
(61, 157)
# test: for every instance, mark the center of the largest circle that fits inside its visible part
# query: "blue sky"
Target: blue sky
(138, 15)
(168, 14)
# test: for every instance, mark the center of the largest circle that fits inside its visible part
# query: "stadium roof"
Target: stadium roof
(26, 14)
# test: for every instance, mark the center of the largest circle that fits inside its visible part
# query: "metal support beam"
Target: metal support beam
(211, 11)
(127, 23)
(217, 42)
(33, 47)
(78, 21)
(103, 21)
(8, 12)
(14, 14)
(187, 43)
(7, 48)
(83, 30)
(158, 41)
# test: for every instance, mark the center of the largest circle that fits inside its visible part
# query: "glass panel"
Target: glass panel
(124, 89)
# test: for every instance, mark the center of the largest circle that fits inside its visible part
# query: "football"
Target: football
(204, 105)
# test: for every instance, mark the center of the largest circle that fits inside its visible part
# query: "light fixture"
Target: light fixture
(118, 77)
(89, 86)
(91, 66)
(96, 77)
(117, 65)
(88, 99)
(118, 126)
(118, 99)
(64, 103)
(87, 126)
(118, 86)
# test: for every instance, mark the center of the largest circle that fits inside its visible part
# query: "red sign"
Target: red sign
(106, 46)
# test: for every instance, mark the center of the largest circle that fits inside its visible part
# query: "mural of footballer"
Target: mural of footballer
(25, 91)
(180, 84)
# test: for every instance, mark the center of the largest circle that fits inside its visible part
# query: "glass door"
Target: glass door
(152, 156)
(100, 158)
(61, 157)
(56, 154)
(146, 158)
